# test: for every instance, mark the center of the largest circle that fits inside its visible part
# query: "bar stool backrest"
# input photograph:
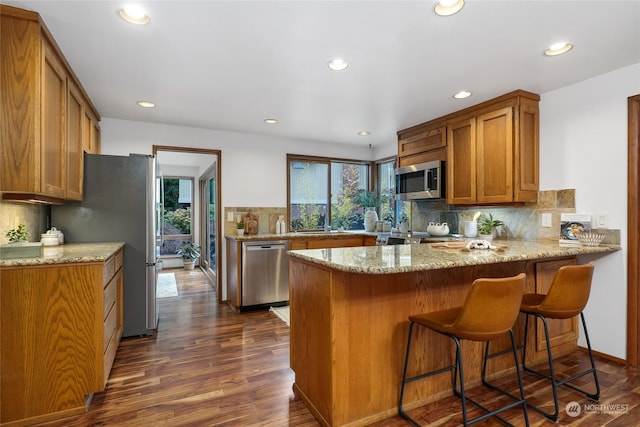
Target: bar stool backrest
(490, 308)
(569, 292)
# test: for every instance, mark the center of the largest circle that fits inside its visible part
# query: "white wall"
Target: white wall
(253, 167)
(583, 145)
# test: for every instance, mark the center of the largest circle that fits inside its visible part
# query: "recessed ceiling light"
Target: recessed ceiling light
(462, 94)
(448, 7)
(271, 121)
(146, 104)
(338, 65)
(364, 133)
(134, 15)
(558, 49)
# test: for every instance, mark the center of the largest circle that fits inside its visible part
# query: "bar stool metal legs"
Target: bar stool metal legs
(488, 312)
(458, 375)
(555, 383)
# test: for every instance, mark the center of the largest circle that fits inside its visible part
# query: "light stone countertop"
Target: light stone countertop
(299, 235)
(417, 257)
(68, 253)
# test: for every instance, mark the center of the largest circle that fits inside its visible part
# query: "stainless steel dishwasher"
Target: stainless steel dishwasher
(265, 274)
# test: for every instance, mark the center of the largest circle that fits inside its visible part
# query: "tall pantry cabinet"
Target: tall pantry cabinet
(47, 120)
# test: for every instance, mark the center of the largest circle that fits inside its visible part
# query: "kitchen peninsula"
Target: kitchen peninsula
(349, 319)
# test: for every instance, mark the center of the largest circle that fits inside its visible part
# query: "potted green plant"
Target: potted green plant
(18, 246)
(487, 227)
(19, 234)
(240, 228)
(189, 252)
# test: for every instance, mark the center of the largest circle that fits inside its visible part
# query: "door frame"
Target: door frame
(633, 230)
(204, 222)
(217, 153)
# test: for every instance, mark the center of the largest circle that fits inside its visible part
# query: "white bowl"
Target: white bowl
(591, 239)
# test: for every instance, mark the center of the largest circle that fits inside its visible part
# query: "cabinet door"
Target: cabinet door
(53, 110)
(429, 139)
(461, 162)
(560, 331)
(75, 136)
(494, 141)
(426, 145)
(527, 145)
(91, 132)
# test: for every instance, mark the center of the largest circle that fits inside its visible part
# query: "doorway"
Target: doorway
(202, 168)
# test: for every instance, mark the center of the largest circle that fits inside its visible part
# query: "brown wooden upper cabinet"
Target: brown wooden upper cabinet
(491, 150)
(422, 144)
(44, 111)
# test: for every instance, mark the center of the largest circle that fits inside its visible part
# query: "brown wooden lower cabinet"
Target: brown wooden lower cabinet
(61, 326)
(349, 331)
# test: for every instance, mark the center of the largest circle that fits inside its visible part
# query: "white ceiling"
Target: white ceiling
(231, 64)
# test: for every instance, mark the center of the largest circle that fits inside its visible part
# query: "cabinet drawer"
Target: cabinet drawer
(334, 243)
(119, 261)
(110, 325)
(108, 270)
(110, 295)
(297, 244)
(110, 355)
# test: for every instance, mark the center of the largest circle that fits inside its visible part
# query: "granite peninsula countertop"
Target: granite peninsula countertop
(427, 256)
(67, 253)
(299, 235)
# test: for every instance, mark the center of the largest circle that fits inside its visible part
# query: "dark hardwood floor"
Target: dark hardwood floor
(210, 366)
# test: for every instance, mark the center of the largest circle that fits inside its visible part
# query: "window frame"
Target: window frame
(328, 161)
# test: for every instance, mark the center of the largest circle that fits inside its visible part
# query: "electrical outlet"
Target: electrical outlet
(602, 220)
(230, 216)
(546, 220)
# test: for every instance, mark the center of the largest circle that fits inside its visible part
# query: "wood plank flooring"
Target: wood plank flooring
(210, 366)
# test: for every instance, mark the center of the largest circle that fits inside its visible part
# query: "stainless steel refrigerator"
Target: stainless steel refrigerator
(119, 204)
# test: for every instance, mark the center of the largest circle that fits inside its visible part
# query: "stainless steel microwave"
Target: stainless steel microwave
(421, 181)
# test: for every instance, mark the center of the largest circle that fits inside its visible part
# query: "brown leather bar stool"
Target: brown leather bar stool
(489, 311)
(567, 297)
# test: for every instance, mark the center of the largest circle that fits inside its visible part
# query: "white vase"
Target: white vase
(370, 219)
(240, 232)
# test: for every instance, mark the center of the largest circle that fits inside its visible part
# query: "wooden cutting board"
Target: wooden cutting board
(449, 245)
(250, 223)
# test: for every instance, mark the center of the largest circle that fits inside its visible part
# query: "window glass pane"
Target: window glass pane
(386, 186)
(346, 180)
(177, 215)
(308, 190)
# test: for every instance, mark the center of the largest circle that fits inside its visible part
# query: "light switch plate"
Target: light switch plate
(602, 220)
(230, 216)
(546, 219)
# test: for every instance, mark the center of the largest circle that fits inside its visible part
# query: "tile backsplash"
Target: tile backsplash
(267, 217)
(33, 216)
(521, 222)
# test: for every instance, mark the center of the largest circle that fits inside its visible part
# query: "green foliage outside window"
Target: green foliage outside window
(180, 218)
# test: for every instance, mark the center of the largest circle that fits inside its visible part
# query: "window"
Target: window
(177, 215)
(392, 210)
(322, 192)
